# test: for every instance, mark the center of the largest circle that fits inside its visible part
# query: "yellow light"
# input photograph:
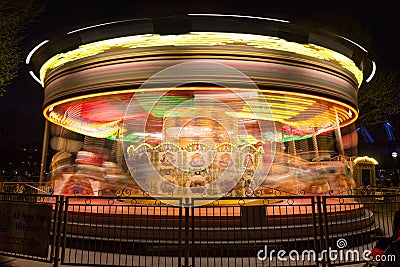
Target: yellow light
(326, 120)
(365, 159)
(302, 96)
(290, 99)
(99, 130)
(280, 105)
(202, 39)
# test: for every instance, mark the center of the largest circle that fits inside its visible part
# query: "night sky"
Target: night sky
(20, 107)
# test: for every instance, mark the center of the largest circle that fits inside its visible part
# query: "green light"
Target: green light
(131, 138)
(162, 105)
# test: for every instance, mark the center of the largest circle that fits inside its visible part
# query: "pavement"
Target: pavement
(30, 263)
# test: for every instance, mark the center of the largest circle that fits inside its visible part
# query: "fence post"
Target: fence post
(315, 226)
(64, 220)
(57, 229)
(325, 229)
(180, 234)
(321, 243)
(192, 243)
(186, 232)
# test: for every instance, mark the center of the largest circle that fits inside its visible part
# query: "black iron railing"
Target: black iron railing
(236, 231)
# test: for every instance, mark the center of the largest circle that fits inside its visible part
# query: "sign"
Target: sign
(25, 228)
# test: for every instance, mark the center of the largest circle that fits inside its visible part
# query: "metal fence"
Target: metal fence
(122, 231)
(359, 221)
(26, 188)
(251, 231)
(246, 231)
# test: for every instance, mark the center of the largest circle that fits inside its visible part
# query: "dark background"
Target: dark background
(21, 120)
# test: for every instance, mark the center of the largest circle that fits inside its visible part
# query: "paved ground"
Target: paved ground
(85, 258)
(29, 263)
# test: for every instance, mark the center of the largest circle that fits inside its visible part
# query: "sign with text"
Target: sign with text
(25, 228)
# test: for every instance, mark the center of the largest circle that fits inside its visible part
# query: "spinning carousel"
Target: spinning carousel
(199, 105)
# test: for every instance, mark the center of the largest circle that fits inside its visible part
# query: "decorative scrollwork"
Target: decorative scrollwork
(265, 202)
(118, 193)
(88, 201)
(19, 189)
(277, 192)
(257, 192)
(126, 192)
(241, 202)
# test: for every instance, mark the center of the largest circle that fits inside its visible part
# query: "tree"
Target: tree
(15, 18)
(379, 98)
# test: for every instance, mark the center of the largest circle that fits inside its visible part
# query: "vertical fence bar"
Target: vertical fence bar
(186, 232)
(324, 225)
(320, 228)
(193, 229)
(54, 245)
(57, 223)
(64, 231)
(314, 223)
(180, 234)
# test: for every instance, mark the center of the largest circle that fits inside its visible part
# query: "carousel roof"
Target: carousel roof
(305, 82)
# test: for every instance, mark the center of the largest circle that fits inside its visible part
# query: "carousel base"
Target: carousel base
(226, 229)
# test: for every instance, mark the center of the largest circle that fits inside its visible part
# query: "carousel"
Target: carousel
(197, 106)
